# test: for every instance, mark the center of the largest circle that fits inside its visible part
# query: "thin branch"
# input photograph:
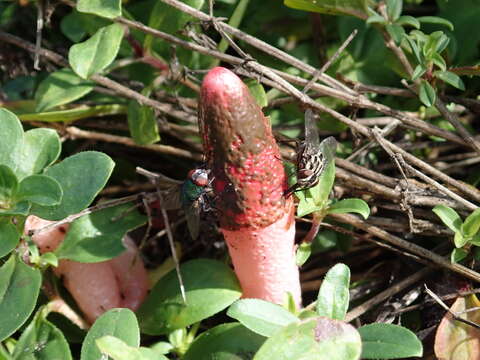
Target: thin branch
(410, 247)
(76, 133)
(156, 179)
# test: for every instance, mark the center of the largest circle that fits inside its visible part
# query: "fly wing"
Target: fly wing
(311, 131)
(328, 147)
(172, 198)
(192, 213)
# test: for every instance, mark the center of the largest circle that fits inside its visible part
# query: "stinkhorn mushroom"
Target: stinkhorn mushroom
(96, 287)
(255, 218)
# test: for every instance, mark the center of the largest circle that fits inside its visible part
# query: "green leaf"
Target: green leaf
(459, 240)
(118, 350)
(435, 20)
(142, 123)
(12, 139)
(458, 255)
(313, 339)
(120, 323)
(9, 238)
(19, 288)
(106, 8)
(303, 253)
(95, 54)
(72, 27)
(396, 32)
(41, 148)
(61, 87)
(8, 187)
(394, 9)
(408, 20)
(81, 177)
(427, 94)
(376, 19)
(258, 92)
(439, 61)
(415, 48)
(356, 8)
(450, 78)
(170, 20)
(226, 341)
(210, 287)
(449, 217)
(418, 72)
(262, 317)
(98, 236)
(388, 341)
(333, 296)
(350, 206)
(42, 340)
(21, 208)
(471, 224)
(40, 189)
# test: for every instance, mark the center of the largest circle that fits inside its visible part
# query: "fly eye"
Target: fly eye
(199, 177)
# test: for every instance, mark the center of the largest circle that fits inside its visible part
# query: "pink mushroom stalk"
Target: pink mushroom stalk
(96, 287)
(256, 219)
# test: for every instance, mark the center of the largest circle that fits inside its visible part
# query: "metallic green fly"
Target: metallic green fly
(313, 156)
(192, 195)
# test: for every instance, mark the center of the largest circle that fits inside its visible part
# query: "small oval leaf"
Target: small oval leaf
(9, 238)
(40, 189)
(41, 148)
(388, 341)
(106, 8)
(120, 323)
(427, 94)
(95, 54)
(81, 177)
(471, 225)
(41, 340)
(260, 316)
(226, 341)
(449, 217)
(61, 87)
(313, 339)
(98, 236)
(350, 206)
(19, 288)
(12, 139)
(333, 296)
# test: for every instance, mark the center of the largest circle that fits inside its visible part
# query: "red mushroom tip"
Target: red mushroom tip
(242, 152)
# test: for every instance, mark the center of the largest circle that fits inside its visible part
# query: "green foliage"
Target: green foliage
(262, 317)
(98, 236)
(356, 8)
(41, 340)
(210, 287)
(388, 341)
(59, 88)
(466, 233)
(95, 54)
(19, 288)
(120, 323)
(106, 8)
(333, 296)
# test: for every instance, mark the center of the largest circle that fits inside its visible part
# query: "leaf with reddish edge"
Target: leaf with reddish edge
(455, 340)
(315, 338)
